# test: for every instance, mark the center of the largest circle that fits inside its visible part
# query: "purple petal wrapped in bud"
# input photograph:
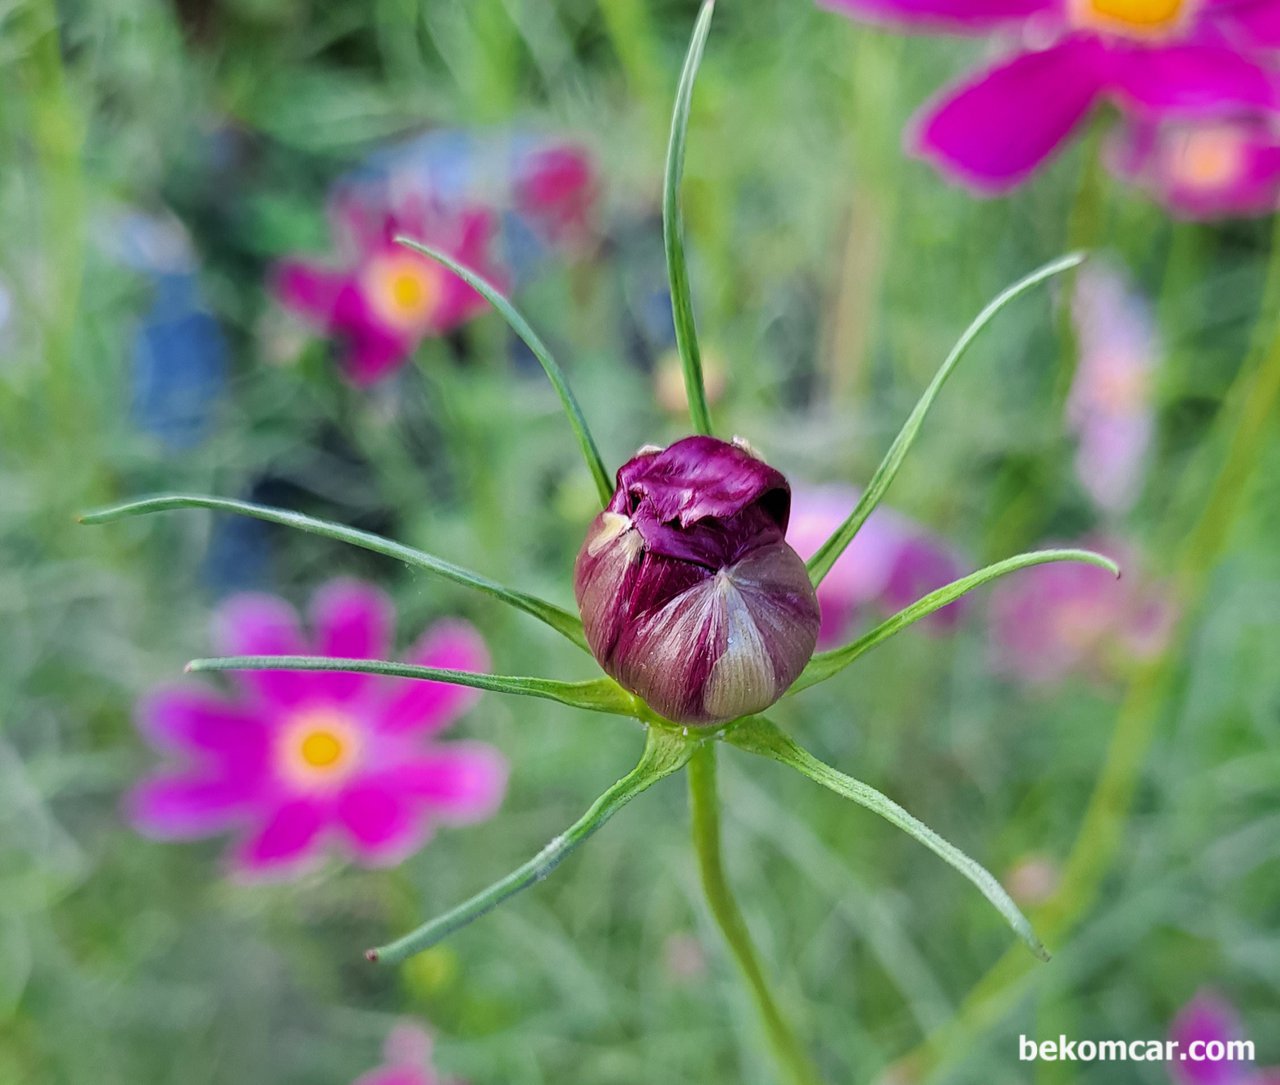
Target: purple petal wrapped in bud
(690, 596)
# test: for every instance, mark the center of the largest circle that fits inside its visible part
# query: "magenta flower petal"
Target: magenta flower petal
(263, 625)
(1205, 1018)
(351, 620)
(193, 721)
(382, 825)
(1253, 22)
(182, 806)
(286, 840)
(461, 782)
(307, 289)
(371, 349)
(428, 707)
(962, 16)
(1190, 80)
(992, 132)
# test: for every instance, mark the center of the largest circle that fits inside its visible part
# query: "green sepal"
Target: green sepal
(665, 752)
(566, 624)
(524, 330)
(673, 229)
(825, 556)
(757, 735)
(826, 664)
(594, 695)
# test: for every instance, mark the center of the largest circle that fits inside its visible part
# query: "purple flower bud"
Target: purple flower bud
(690, 596)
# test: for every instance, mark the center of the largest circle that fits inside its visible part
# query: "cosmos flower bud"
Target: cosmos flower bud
(690, 596)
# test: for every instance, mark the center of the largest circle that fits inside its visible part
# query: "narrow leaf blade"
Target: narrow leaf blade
(566, 624)
(673, 229)
(665, 752)
(595, 695)
(757, 735)
(826, 664)
(826, 555)
(524, 330)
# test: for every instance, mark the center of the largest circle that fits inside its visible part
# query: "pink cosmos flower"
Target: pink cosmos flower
(555, 189)
(406, 1060)
(296, 760)
(1110, 405)
(1204, 170)
(1210, 1019)
(1050, 621)
(381, 300)
(1181, 58)
(891, 562)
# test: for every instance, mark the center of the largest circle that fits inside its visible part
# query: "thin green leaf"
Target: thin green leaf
(826, 555)
(595, 695)
(555, 374)
(564, 623)
(825, 664)
(673, 229)
(757, 735)
(664, 753)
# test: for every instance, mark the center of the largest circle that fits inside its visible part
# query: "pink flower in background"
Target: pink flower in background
(297, 760)
(1050, 621)
(891, 562)
(1110, 406)
(381, 300)
(556, 188)
(1182, 58)
(406, 1060)
(1211, 169)
(1210, 1019)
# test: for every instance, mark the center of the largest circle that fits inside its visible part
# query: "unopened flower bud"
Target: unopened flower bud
(690, 596)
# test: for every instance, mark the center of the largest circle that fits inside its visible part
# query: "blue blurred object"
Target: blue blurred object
(179, 361)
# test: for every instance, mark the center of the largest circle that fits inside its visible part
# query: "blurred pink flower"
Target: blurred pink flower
(891, 562)
(406, 1060)
(1149, 57)
(556, 189)
(1053, 620)
(1206, 1019)
(1211, 169)
(298, 758)
(1110, 407)
(381, 300)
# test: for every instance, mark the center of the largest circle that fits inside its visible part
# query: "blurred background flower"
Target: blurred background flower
(300, 760)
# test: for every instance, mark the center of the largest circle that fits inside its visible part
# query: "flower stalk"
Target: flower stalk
(704, 805)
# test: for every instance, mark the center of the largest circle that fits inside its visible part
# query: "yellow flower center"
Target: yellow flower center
(1208, 158)
(317, 746)
(1132, 18)
(404, 290)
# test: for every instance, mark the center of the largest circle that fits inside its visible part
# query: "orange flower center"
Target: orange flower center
(403, 289)
(1132, 18)
(1208, 158)
(1124, 386)
(317, 746)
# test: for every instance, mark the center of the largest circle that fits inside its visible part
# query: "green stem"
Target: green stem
(795, 1064)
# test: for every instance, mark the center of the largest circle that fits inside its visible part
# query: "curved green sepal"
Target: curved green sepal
(673, 229)
(564, 623)
(757, 735)
(522, 328)
(826, 555)
(595, 695)
(664, 753)
(826, 664)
